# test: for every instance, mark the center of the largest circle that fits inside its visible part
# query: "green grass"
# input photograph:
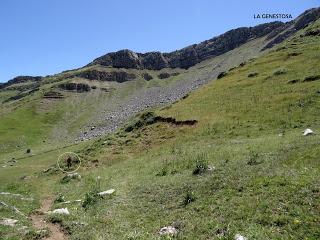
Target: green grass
(232, 172)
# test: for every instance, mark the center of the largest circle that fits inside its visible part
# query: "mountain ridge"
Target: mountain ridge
(275, 32)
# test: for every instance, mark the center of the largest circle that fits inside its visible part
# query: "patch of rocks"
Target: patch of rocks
(140, 101)
(8, 222)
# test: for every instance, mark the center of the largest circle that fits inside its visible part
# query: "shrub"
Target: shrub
(253, 74)
(189, 198)
(164, 75)
(293, 81)
(90, 199)
(60, 198)
(163, 171)
(147, 76)
(311, 78)
(279, 71)
(200, 168)
(253, 158)
(221, 75)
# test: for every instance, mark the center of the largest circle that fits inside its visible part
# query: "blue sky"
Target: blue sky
(41, 37)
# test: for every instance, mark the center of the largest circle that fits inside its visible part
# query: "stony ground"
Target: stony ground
(119, 110)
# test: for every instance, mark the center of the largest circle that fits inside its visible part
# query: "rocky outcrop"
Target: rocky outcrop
(147, 76)
(21, 95)
(188, 56)
(290, 28)
(164, 75)
(53, 94)
(117, 76)
(20, 79)
(275, 32)
(78, 87)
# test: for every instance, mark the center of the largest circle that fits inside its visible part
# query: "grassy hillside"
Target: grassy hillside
(244, 168)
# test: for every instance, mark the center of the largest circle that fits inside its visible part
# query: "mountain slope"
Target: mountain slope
(95, 100)
(243, 168)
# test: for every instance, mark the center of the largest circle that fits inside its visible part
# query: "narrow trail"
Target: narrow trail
(38, 221)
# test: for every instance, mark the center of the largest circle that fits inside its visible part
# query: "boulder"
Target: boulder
(108, 192)
(169, 230)
(239, 237)
(308, 132)
(8, 222)
(74, 175)
(63, 211)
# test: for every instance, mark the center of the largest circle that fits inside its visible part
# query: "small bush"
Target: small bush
(147, 76)
(60, 198)
(253, 158)
(293, 81)
(163, 171)
(311, 78)
(221, 75)
(279, 71)
(55, 218)
(36, 235)
(90, 199)
(164, 75)
(253, 74)
(200, 168)
(145, 119)
(189, 198)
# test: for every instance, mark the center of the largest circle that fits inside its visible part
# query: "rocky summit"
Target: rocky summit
(191, 55)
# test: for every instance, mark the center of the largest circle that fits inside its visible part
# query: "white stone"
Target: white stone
(61, 211)
(74, 175)
(8, 222)
(108, 192)
(307, 132)
(168, 231)
(67, 202)
(211, 168)
(239, 237)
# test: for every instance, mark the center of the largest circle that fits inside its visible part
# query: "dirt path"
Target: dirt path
(38, 221)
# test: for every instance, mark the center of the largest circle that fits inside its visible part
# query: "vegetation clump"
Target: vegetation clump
(311, 78)
(221, 75)
(189, 198)
(279, 71)
(253, 74)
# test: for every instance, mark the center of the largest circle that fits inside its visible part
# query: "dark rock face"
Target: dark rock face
(120, 76)
(78, 87)
(22, 95)
(292, 27)
(167, 75)
(189, 56)
(147, 76)
(121, 59)
(53, 94)
(21, 79)
(163, 75)
(221, 75)
(153, 60)
(315, 32)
